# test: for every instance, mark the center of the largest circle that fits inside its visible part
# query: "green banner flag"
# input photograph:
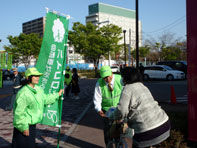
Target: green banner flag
(9, 61)
(51, 62)
(1, 78)
(3, 60)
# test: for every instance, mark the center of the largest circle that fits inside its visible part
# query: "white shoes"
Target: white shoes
(76, 98)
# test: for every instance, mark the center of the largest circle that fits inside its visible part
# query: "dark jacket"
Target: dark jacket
(17, 83)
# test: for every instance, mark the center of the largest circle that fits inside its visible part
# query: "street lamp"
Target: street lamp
(124, 31)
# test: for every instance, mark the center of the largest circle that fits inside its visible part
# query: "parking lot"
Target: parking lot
(161, 89)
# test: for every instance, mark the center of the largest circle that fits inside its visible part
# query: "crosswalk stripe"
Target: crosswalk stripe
(182, 99)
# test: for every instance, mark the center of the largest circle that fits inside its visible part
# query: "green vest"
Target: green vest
(110, 99)
(68, 80)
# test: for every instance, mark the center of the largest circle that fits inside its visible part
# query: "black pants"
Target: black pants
(106, 129)
(21, 141)
(67, 90)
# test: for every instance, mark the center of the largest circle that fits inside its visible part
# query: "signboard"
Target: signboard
(51, 62)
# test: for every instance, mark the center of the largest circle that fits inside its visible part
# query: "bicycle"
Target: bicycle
(118, 133)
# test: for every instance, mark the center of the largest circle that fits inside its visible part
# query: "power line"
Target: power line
(169, 26)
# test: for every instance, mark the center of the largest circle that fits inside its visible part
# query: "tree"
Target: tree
(92, 42)
(171, 53)
(24, 47)
(165, 45)
(143, 51)
(111, 37)
(153, 57)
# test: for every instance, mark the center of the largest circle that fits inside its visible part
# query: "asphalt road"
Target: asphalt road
(161, 90)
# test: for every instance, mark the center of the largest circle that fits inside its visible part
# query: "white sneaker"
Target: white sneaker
(77, 98)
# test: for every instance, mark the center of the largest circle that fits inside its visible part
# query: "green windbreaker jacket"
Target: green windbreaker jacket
(29, 106)
(68, 80)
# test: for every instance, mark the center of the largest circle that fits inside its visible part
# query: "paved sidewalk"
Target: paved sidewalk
(73, 111)
(89, 132)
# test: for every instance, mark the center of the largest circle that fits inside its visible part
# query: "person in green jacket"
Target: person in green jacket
(106, 95)
(28, 109)
(68, 80)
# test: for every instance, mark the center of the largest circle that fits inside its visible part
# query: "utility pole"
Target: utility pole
(137, 35)
(124, 31)
(129, 56)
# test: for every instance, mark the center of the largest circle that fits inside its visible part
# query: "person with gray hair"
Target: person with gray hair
(16, 87)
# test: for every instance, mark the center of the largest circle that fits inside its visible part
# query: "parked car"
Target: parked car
(162, 72)
(115, 69)
(177, 65)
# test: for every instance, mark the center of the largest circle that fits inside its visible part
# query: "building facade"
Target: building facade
(103, 14)
(34, 26)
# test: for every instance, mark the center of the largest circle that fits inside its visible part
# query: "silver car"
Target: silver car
(115, 69)
(162, 72)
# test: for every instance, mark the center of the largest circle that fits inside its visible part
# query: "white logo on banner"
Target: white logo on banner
(58, 30)
(52, 115)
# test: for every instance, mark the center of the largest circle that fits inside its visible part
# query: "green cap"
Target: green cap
(67, 67)
(32, 71)
(105, 71)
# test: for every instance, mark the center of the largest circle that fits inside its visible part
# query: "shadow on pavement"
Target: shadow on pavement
(82, 144)
(6, 144)
(92, 119)
(89, 131)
